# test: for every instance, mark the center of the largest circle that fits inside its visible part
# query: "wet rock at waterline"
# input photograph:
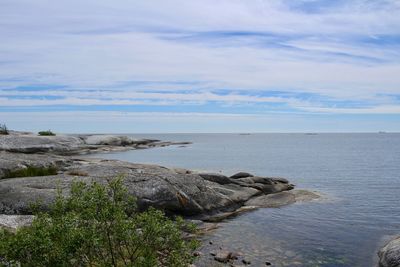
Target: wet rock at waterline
(282, 198)
(389, 255)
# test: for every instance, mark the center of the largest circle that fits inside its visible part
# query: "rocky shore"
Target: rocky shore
(52, 162)
(209, 197)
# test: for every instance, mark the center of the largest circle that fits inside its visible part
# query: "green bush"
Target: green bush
(98, 225)
(3, 129)
(31, 171)
(46, 133)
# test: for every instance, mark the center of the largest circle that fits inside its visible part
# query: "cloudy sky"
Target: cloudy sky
(200, 66)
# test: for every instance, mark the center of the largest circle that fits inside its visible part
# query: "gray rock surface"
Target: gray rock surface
(267, 185)
(389, 255)
(30, 143)
(17, 161)
(13, 222)
(216, 177)
(175, 192)
(111, 140)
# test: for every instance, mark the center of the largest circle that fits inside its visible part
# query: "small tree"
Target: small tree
(3, 129)
(46, 133)
(98, 225)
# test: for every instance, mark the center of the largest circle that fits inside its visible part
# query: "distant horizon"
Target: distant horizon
(200, 133)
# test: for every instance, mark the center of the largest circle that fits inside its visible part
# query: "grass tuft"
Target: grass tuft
(3, 129)
(31, 171)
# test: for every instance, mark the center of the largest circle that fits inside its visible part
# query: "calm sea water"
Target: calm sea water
(358, 173)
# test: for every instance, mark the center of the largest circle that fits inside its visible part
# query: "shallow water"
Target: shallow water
(358, 173)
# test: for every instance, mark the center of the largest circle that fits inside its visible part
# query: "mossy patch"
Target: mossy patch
(31, 171)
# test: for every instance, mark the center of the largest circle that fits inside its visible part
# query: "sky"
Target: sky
(131, 66)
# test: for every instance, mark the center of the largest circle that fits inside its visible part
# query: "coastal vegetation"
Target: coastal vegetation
(46, 133)
(98, 225)
(3, 129)
(31, 171)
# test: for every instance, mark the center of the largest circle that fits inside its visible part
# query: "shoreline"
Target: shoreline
(206, 197)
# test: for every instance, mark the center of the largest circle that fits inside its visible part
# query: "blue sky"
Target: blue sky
(200, 66)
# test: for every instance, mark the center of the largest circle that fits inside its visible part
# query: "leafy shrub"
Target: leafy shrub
(31, 171)
(46, 133)
(3, 129)
(98, 225)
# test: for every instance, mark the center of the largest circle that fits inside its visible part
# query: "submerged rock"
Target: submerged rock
(223, 256)
(389, 255)
(272, 200)
(282, 198)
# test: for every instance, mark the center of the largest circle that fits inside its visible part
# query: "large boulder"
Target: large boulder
(389, 255)
(152, 185)
(160, 187)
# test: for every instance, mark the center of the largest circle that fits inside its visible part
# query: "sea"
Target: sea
(358, 175)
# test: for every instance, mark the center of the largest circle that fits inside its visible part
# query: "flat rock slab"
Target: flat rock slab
(30, 143)
(21, 142)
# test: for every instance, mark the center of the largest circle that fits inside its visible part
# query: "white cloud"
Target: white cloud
(100, 44)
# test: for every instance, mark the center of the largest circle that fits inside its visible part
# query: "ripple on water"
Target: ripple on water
(361, 170)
